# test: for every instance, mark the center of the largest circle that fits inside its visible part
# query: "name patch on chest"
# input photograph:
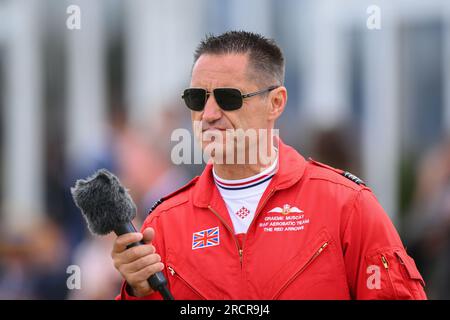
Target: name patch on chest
(285, 219)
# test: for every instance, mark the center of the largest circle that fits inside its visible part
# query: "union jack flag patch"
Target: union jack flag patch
(205, 238)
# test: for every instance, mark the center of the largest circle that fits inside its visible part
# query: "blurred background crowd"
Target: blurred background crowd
(375, 102)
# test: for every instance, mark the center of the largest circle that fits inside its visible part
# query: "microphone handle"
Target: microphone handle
(157, 281)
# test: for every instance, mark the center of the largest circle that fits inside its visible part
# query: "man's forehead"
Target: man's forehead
(220, 68)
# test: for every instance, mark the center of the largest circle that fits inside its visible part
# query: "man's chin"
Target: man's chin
(214, 150)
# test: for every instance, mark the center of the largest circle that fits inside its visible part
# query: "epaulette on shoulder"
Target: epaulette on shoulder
(343, 173)
(157, 203)
(354, 178)
(183, 188)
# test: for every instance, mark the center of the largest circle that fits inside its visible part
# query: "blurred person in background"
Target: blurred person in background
(98, 277)
(13, 277)
(335, 146)
(34, 264)
(429, 222)
(143, 161)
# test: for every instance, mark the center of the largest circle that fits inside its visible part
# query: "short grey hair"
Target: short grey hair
(266, 59)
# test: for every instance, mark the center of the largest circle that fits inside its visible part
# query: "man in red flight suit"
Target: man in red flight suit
(282, 228)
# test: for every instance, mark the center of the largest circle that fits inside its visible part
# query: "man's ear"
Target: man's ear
(278, 99)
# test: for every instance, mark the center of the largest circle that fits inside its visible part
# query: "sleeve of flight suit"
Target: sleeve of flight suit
(377, 264)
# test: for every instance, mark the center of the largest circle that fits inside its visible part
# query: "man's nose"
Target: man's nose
(212, 111)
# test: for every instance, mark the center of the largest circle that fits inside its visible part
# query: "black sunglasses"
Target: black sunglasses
(228, 99)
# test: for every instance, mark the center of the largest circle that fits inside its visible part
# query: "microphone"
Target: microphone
(107, 206)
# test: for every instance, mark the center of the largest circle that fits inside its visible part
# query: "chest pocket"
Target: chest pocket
(183, 288)
(189, 281)
(314, 273)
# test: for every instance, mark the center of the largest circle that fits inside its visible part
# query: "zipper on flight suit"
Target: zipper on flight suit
(177, 275)
(241, 250)
(310, 260)
(385, 263)
(259, 209)
(238, 246)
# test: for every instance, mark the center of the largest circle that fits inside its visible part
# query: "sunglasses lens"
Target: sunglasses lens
(228, 98)
(195, 98)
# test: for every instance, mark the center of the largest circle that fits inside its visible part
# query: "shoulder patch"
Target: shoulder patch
(157, 203)
(183, 188)
(354, 178)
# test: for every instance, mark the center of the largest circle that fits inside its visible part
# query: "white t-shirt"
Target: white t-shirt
(242, 196)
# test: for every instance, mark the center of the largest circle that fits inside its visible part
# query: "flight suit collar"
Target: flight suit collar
(290, 170)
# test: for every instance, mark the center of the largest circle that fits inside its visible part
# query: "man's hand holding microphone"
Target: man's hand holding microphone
(138, 263)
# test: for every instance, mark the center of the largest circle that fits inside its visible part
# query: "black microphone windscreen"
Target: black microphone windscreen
(104, 202)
